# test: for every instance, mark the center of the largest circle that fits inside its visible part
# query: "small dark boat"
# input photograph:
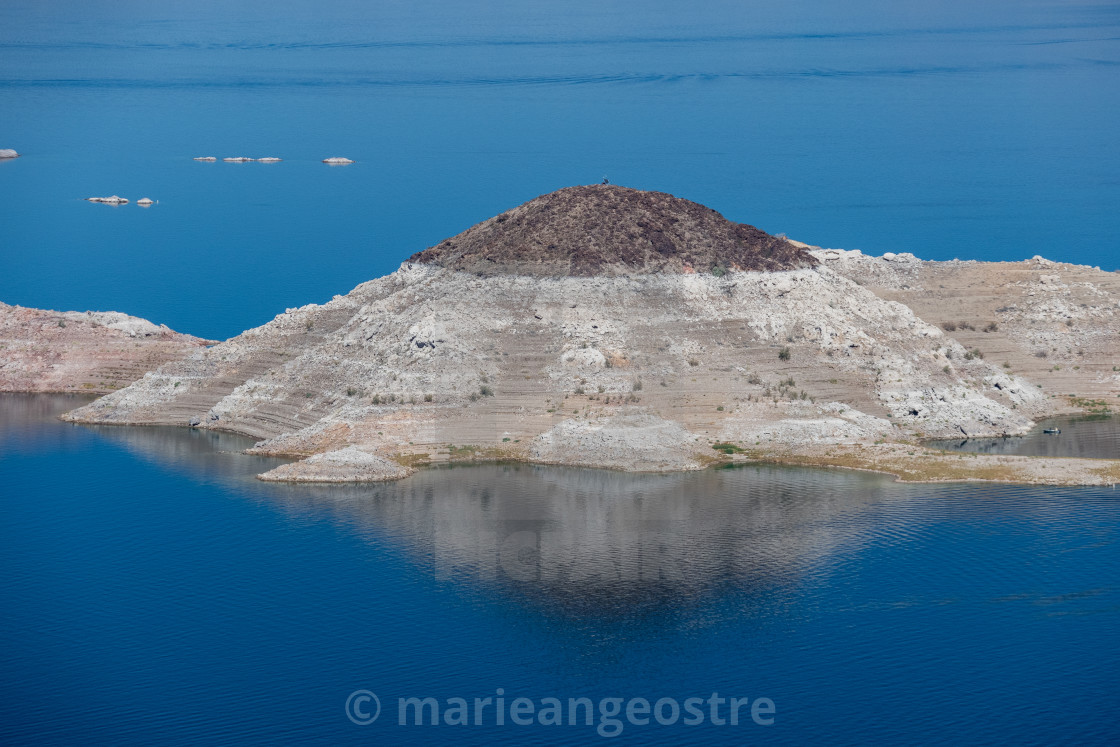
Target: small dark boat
(1052, 431)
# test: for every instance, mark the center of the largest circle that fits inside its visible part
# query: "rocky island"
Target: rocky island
(611, 327)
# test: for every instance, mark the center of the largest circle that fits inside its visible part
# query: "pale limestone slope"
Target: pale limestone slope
(539, 368)
(1053, 323)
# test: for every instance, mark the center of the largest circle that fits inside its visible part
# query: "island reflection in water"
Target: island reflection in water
(584, 542)
(593, 542)
(145, 559)
(579, 542)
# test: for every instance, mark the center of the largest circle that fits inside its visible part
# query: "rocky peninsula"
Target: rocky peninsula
(92, 352)
(610, 327)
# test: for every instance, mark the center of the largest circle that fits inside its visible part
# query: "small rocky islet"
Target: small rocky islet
(334, 160)
(117, 200)
(147, 202)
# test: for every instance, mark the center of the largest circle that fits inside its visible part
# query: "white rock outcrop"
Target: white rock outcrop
(632, 441)
(343, 465)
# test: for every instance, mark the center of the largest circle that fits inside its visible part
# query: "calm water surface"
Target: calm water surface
(152, 591)
(953, 129)
(1094, 437)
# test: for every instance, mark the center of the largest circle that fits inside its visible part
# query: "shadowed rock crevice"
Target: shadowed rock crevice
(611, 230)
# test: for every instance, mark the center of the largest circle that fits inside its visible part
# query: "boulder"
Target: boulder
(337, 160)
(8, 153)
(145, 201)
(205, 158)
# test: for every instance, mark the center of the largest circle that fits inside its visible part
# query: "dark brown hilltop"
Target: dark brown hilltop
(609, 230)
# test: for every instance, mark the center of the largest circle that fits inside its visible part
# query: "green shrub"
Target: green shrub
(783, 354)
(727, 448)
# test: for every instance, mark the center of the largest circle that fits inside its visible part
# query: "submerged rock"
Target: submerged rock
(8, 153)
(337, 160)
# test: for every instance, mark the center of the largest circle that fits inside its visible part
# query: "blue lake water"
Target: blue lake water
(153, 591)
(963, 129)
